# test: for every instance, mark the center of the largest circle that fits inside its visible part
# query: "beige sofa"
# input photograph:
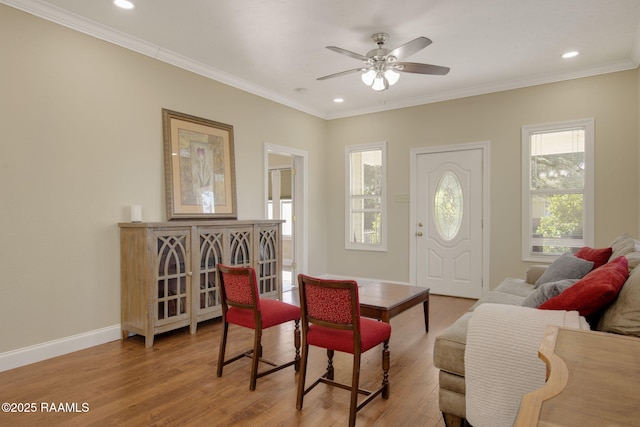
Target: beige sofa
(622, 316)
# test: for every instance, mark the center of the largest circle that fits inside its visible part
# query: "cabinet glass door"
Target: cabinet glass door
(268, 271)
(211, 251)
(172, 301)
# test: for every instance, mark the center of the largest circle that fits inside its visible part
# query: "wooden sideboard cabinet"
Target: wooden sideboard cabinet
(168, 274)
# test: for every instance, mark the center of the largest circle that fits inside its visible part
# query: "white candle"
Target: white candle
(136, 213)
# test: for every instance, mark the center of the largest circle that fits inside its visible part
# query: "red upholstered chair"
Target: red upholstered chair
(242, 305)
(331, 319)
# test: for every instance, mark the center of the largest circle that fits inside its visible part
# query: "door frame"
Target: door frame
(299, 161)
(413, 165)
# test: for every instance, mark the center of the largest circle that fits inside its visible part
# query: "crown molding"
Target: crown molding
(102, 32)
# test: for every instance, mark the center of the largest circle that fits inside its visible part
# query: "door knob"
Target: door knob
(419, 234)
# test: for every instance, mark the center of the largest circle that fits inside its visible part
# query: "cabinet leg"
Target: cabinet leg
(148, 341)
(125, 334)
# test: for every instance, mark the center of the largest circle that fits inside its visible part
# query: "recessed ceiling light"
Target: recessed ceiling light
(570, 54)
(124, 4)
(338, 100)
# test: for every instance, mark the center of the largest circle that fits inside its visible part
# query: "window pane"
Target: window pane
(366, 228)
(372, 203)
(366, 173)
(557, 223)
(362, 203)
(286, 214)
(557, 160)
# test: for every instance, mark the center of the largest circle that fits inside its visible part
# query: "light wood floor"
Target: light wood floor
(174, 383)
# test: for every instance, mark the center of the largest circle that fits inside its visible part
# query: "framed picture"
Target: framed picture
(199, 167)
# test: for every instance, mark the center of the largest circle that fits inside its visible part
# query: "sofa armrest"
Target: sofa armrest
(534, 272)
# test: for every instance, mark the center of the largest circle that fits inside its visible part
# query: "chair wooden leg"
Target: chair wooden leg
(223, 345)
(296, 341)
(385, 370)
(257, 354)
(329, 374)
(302, 376)
(355, 385)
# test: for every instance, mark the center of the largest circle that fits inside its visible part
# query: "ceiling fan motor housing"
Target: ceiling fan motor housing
(380, 38)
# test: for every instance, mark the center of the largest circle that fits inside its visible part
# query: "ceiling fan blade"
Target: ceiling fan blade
(414, 67)
(410, 48)
(342, 73)
(348, 53)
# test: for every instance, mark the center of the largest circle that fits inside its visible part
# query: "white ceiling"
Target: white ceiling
(276, 48)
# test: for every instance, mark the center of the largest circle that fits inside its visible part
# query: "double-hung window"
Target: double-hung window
(557, 188)
(366, 196)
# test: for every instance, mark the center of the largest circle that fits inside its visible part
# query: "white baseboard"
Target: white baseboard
(36, 353)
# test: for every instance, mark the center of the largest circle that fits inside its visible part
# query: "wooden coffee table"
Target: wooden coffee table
(381, 300)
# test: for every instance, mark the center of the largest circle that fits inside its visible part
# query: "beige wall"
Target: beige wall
(611, 99)
(82, 140)
(81, 137)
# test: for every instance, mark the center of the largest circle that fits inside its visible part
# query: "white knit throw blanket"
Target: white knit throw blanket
(501, 359)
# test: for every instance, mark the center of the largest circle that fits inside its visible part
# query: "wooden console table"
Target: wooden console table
(592, 380)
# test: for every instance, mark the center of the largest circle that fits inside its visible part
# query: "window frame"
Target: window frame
(349, 150)
(588, 190)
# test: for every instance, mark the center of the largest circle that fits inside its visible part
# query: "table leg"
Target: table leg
(425, 306)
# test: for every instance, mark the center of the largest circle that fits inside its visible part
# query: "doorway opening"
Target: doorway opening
(285, 199)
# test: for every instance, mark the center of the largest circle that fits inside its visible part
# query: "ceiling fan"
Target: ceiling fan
(381, 66)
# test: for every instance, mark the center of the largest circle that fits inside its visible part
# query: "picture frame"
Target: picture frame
(199, 167)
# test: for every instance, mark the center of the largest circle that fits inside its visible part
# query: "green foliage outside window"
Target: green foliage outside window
(373, 187)
(564, 220)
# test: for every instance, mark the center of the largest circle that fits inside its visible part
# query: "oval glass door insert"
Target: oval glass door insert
(448, 206)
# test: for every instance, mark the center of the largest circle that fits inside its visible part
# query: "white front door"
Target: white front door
(448, 222)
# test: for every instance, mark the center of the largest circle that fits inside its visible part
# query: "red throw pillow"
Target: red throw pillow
(599, 257)
(594, 291)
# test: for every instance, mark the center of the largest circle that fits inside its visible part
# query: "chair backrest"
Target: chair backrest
(330, 303)
(238, 287)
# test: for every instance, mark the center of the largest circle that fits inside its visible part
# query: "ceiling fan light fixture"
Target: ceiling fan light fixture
(392, 77)
(368, 77)
(380, 83)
